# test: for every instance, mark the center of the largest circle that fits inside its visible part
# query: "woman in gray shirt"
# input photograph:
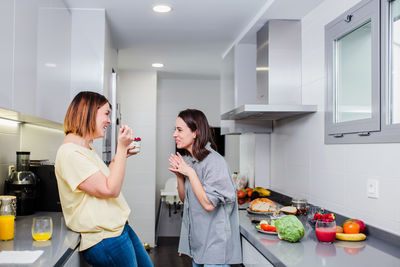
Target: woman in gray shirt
(210, 223)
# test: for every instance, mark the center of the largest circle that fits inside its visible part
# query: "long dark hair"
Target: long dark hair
(197, 121)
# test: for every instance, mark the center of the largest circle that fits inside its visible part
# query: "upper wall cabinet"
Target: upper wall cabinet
(53, 63)
(6, 52)
(25, 49)
(35, 55)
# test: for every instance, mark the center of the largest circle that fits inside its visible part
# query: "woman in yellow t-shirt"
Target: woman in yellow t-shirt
(90, 192)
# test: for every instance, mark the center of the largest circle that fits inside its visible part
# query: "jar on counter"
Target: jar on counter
(301, 205)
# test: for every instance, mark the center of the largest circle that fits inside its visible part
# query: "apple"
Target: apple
(359, 222)
(339, 229)
(241, 194)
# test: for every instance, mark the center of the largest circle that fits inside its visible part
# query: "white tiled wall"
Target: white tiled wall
(333, 176)
(41, 142)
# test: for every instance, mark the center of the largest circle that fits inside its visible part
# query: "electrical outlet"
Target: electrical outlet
(373, 188)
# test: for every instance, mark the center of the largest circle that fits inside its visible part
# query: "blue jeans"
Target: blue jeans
(124, 250)
(209, 265)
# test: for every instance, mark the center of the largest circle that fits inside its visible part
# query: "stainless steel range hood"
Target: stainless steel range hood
(278, 74)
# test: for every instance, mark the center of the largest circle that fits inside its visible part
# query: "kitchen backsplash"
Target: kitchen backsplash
(40, 141)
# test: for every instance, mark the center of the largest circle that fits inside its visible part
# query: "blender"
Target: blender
(22, 183)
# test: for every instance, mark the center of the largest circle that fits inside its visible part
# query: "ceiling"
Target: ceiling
(191, 39)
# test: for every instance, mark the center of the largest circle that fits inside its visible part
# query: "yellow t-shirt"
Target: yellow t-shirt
(95, 218)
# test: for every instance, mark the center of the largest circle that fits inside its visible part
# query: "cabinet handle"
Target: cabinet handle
(364, 134)
(348, 18)
(338, 135)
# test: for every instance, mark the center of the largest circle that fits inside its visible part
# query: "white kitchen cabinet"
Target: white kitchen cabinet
(251, 256)
(42, 45)
(25, 46)
(6, 52)
(53, 63)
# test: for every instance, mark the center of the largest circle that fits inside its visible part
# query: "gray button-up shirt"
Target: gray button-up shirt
(211, 237)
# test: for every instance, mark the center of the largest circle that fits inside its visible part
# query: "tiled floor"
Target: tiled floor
(166, 254)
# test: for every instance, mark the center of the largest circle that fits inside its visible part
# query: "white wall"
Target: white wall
(138, 98)
(173, 96)
(332, 176)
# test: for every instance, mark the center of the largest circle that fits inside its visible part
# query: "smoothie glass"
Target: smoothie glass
(325, 231)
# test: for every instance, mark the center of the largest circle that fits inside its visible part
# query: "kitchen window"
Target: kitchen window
(362, 57)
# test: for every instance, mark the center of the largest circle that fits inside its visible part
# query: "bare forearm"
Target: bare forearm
(199, 191)
(117, 172)
(181, 188)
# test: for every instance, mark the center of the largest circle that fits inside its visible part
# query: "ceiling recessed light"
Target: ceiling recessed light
(157, 65)
(162, 8)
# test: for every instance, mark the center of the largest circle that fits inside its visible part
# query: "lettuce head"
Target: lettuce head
(289, 228)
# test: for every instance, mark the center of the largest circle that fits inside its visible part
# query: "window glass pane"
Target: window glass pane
(352, 82)
(394, 67)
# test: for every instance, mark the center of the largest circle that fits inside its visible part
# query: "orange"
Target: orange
(249, 192)
(351, 228)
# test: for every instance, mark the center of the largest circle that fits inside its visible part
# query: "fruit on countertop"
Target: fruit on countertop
(254, 195)
(262, 191)
(328, 217)
(339, 229)
(241, 201)
(249, 191)
(359, 222)
(241, 193)
(351, 228)
(351, 237)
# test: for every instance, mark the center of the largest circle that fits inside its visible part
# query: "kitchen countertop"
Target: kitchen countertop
(310, 252)
(63, 240)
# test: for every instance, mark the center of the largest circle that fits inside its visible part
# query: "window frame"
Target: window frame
(387, 133)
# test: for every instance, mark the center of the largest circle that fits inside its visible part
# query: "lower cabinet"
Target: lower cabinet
(76, 260)
(251, 256)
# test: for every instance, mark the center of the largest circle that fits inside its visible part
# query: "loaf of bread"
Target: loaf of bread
(289, 210)
(262, 205)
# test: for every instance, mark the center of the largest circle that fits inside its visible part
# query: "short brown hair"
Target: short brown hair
(81, 114)
(197, 121)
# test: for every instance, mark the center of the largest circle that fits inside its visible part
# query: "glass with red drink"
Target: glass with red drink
(325, 231)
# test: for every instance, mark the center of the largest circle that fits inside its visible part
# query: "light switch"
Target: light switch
(373, 188)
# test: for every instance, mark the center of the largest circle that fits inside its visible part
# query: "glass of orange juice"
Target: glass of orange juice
(42, 228)
(6, 227)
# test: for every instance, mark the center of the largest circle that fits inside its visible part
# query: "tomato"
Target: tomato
(241, 194)
(271, 228)
(264, 226)
(351, 228)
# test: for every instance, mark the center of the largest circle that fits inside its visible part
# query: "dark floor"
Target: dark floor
(166, 254)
